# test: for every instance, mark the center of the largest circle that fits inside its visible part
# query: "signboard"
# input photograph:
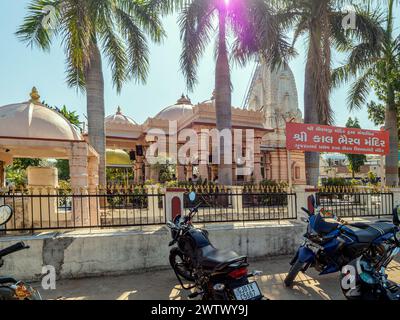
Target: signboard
(319, 138)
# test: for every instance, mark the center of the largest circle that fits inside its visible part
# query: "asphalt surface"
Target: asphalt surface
(162, 285)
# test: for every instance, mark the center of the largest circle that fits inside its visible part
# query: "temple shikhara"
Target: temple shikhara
(31, 130)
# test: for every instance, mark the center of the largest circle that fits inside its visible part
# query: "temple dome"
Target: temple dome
(117, 158)
(182, 107)
(119, 119)
(33, 120)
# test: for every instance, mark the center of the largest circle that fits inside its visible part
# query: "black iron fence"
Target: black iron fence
(243, 204)
(355, 202)
(54, 209)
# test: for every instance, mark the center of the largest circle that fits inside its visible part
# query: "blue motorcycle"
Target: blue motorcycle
(331, 245)
(365, 278)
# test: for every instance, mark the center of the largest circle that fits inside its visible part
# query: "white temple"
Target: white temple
(274, 93)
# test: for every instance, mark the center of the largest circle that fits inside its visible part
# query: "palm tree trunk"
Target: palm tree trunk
(311, 116)
(95, 108)
(391, 124)
(391, 120)
(223, 98)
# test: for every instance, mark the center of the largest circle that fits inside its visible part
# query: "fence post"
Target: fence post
(2, 228)
(237, 201)
(302, 193)
(396, 198)
(152, 200)
(173, 202)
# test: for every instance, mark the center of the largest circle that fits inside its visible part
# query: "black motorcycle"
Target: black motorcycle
(11, 289)
(215, 274)
(365, 278)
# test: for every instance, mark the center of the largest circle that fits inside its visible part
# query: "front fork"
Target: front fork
(304, 255)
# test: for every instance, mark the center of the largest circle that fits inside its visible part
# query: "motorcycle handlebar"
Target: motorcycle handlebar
(14, 248)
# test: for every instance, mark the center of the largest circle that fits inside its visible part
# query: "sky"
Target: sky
(23, 67)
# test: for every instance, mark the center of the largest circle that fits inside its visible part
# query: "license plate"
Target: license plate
(247, 292)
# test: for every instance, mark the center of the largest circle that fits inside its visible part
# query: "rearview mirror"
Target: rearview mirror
(192, 196)
(6, 213)
(396, 216)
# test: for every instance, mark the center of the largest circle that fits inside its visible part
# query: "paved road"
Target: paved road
(162, 285)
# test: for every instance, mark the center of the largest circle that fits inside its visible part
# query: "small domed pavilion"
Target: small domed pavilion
(31, 130)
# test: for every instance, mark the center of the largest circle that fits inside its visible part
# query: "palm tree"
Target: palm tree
(116, 29)
(377, 62)
(322, 22)
(253, 28)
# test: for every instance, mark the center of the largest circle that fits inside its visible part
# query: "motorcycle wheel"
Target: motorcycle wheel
(179, 264)
(293, 272)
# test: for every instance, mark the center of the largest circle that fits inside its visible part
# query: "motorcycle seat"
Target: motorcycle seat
(215, 259)
(369, 232)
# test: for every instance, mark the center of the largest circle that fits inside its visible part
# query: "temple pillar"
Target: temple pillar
(154, 173)
(203, 171)
(2, 175)
(203, 155)
(93, 184)
(146, 170)
(139, 170)
(257, 160)
(234, 173)
(180, 172)
(93, 173)
(78, 164)
(189, 171)
(180, 168)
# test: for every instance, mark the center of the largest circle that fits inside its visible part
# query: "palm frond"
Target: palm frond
(359, 91)
(146, 15)
(166, 7)
(33, 31)
(114, 50)
(78, 34)
(367, 29)
(300, 28)
(138, 50)
(196, 26)
(269, 36)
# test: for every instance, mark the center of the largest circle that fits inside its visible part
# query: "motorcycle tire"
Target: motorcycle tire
(181, 268)
(293, 272)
